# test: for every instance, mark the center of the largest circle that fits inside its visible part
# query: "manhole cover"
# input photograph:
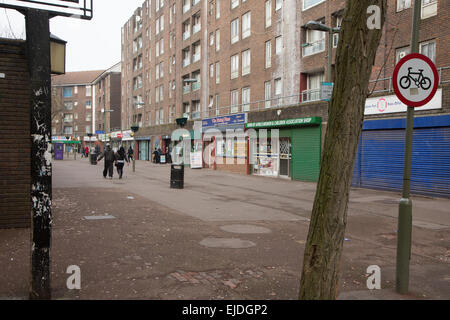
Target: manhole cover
(232, 243)
(245, 228)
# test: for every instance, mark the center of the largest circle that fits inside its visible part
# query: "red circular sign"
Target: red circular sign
(418, 71)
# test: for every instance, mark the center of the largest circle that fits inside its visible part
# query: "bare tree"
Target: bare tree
(354, 61)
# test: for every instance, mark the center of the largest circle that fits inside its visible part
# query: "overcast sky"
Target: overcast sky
(91, 44)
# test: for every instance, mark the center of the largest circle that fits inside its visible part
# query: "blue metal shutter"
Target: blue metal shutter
(381, 160)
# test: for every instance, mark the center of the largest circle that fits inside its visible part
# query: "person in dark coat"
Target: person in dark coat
(130, 153)
(121, 157)
(110, 157)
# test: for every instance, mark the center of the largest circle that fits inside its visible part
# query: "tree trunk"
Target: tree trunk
(354, 60)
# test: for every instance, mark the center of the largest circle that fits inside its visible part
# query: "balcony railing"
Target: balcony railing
(196, 85)
(186, 35)
(186, 89)
(311, 95)
(314, 47)
(196, 115)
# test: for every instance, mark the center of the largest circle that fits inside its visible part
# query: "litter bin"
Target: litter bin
(93, 157)
(177, 176)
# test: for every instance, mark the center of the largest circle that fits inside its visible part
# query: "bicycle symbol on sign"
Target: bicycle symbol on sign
(420, 81)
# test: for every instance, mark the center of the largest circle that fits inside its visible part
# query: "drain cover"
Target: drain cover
(245, 228)
(232, 243)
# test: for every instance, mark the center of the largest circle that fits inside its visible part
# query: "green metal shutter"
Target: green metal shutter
(306, 153)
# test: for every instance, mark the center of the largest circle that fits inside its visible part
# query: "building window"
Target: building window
(313, 87)
(268, 13)
(197, 49)
(246, 62)
(245, 99)
(211, 70)
(68, 117)
(217, 9)
(217, 40)
(315, 42)
(68, 130)
(211, 39)
(217, 72)
(88, 104)
(268, 54)
(278, 45)
(234, 66)
(235, 30)
(68, 105)
(429, 8)
(403, 4)
(278, 4)
(267, 93)
(246, 23)
(234, 3)
(88, 91)
(67, 92)
(278, 86)
(217, 105)
(186, 110)
(196, 114)
(311, 3)
(197, 26)
(186, 5)
(234, 101)
(88, 117)
(428, 49)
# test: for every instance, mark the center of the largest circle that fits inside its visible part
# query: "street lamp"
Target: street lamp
(135, 129)
(104, 123)
(315, 25)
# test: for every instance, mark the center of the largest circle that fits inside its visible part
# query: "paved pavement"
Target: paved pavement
(224, 236)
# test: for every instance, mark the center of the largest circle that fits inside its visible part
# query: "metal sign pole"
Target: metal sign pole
(405, 206)
(38, 43)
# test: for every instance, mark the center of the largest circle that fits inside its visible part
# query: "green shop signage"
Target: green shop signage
(285, 123)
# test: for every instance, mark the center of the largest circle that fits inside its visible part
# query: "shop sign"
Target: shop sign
(326, 91)
(196, 159)
(392, 104)
(285, 123)
(240, 118)
(126, 135)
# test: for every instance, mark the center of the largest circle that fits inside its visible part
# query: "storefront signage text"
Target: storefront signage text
(284, 123)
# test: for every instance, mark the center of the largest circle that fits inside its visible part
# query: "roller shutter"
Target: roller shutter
(305, 146)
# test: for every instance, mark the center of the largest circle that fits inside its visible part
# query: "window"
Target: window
(217, 9)
(403, 4)
(197, 26)
(88, 91)
(312, 93)
(196, 109)
(186, 110)
(67, 92)
(428, 49)
(315, 42)
(157, 49)
(157, 26)
(217, 105)
(234, 66)
(336, 35)
(197, 49)
(278, 45)
(400, 53)
(161, 93)
(245, 62)
(311, 3)
(68, 130)
(278, 4)
(217, 72)
(234, 3)
(75, 90)
(235, 30)
(161, 116)
(234, 101)
(197, 84)
(68, 117)
(429, 8)
(186, 30)
(246, 22)
(211, 39)
(68, 105)
(161, 46)
(267, 94)
(88, 117)
(217, 40)
(75, 115)
(186, 57)
(268, 13)
(268, 54)
(278, 86)
(161, 69)
(161, 23)
(211, 70)
(88, 104)
(245, 99)
(186, 5)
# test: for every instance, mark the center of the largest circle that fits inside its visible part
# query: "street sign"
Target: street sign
(82, 9)
(415, 80)
(326, 91)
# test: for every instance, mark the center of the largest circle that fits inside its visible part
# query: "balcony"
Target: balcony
(196, 115)
(196, 86)
(311, 95)
(186, 115)
(186, 89)
(186, 62)
(196, 28)
(186, 7)
(186, 35)
(313, 47)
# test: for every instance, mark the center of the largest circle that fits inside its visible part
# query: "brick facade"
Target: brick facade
(15, 143)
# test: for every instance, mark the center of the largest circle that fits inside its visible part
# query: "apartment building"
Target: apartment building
(72, 104)
(379, 161)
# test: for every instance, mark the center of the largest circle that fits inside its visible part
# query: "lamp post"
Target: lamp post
(314, 25)
(104, 123)
(134, 129)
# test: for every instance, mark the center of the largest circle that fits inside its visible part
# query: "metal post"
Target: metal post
(134, 155)
(38, 47)
(330, 54)
(405, 206)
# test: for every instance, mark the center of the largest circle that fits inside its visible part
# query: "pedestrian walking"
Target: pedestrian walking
(130, 153)
(86, 152)
(82, 153)
(121, 157)
(110, 157)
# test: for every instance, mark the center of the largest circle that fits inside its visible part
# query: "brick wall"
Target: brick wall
(15, 141)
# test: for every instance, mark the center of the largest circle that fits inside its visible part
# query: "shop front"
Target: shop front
(288, 148)
(225, 143)
(143, 148)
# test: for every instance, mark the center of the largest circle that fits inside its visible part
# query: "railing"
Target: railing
(310, 95)
(186, 35)
(186, 89)
(314, 47)
(384, 85)
(196, 86)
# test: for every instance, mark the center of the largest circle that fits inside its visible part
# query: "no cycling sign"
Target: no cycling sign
(415, 80)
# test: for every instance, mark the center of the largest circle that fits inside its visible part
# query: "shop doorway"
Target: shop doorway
(285, 158)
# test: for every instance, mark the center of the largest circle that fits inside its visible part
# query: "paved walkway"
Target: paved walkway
(224, 236)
